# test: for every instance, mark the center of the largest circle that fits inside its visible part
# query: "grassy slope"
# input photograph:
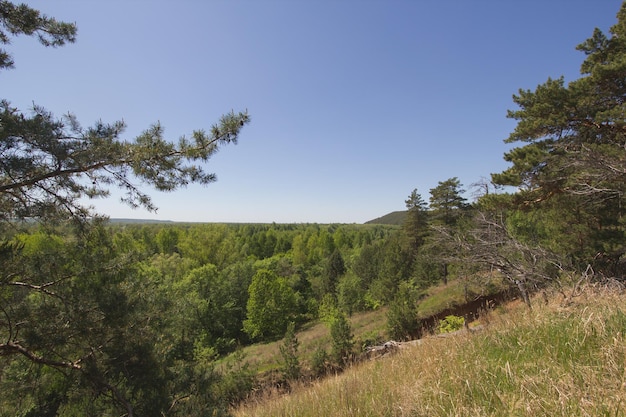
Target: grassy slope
(266, 356)
(551, 361)
(441, 297)
(367, 327)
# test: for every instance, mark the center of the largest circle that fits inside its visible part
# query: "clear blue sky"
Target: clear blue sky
(353, 103)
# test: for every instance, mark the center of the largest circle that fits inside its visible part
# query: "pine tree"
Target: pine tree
(342, 339)
(335, 268)
(289, 353)
(447, 202)
(72, 310)
(416, 223)
(572, 153)
(23, 20)
(447, 207)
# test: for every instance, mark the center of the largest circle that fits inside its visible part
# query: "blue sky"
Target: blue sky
(353, 103)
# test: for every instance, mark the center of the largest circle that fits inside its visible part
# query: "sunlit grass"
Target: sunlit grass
(455, 292)
(549, 361)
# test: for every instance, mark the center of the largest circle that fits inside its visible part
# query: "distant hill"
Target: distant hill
(394, 218)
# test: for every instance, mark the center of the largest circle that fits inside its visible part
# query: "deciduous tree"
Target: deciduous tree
(271, 306)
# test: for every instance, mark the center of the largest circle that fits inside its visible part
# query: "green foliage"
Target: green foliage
(319, 362)
(366, 264)
(416, 225)
(328, 309)
(167, 240)
(351, 294)
(213, 310)
(289, 352)
(74, 314)
(236, 382)
(342, 340)
(335, 267)
(395, 266)
(426, 269)
(23, 20)
(571, 155)
(447, 201)
(451, 324)
(402, 317)
(271, 306)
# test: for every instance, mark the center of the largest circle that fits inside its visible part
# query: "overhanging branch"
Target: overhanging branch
(13, 348)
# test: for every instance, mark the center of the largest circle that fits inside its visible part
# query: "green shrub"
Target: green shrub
(289, 353)
(402, 322)
(342, 340)
(319, 362)
(451, 324)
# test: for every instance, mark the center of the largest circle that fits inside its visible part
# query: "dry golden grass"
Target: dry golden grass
(551, 361)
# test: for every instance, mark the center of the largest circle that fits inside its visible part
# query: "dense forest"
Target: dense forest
(100, 318)
(145, 311)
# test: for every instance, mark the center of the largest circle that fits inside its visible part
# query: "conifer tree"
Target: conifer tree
(72, 315)
(572, 151)
(447, 201)
(335, 268)
(416, 222)
(342, 339)
(21, 19)
(289, 353)
(447, 207)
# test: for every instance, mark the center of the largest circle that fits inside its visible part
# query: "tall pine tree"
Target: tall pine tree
(572, 153)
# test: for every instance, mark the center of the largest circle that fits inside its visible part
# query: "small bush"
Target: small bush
(236, 381)
(319, 362)
(451, 324)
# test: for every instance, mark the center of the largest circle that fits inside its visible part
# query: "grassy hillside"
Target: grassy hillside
(367, 327)
(556, 360)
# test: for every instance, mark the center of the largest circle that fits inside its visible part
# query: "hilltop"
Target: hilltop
(395, 218)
